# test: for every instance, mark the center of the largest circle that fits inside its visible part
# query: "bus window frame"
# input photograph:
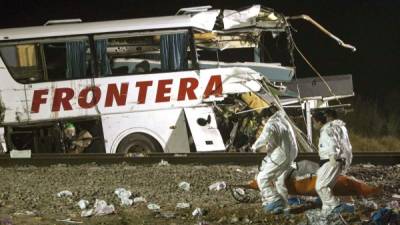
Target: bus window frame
(141, 33)
(90, 38)
(41, 42)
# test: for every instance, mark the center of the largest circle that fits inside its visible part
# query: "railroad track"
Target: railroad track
(381, 158)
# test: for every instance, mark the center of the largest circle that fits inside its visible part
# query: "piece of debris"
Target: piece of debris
(315, 217)
(100, 208)
(184, 186)
(139, 200)
(239, 170)
(26, 213)
(168, 215)
(20, 154)
(64, 193)
(369, 204)
(368, 165)
(87, 213)
(394, 205)
(124, 196)
(397, 196)
(217, 186)
(70, 221)
(83, 203)
(204, 223)
(234, 219)
(153, 207)
(163, 163)
(198, 212)
(182, 205)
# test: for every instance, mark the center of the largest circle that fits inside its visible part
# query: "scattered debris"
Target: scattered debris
(139, 200)
(153, 207)
(83, 203)
(184, 186)
(198, 212)
(315, 217)
(70, 221)
(385, 216)
(124, 196)
(182, 205)
(217, 186)
(163, 163)
(65, 193)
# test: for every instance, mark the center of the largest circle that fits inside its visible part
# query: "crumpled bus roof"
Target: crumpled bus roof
(252, 17)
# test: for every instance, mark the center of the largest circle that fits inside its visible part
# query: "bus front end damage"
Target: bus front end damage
(259, 39)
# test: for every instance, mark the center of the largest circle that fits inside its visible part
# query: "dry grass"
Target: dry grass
(374, 144)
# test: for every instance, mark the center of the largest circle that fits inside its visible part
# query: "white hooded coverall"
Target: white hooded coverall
(280, 141)
(334, 144)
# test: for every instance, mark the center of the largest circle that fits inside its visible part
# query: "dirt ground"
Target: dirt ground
(28, 195)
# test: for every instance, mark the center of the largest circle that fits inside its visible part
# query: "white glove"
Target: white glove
(332, 161)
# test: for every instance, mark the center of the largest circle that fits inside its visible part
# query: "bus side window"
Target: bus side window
(122, 54)
(67, 60)
(49, 60)
(23, 61)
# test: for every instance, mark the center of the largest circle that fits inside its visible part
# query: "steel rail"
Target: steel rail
(377, 158)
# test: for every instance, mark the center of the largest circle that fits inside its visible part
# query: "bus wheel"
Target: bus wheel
(138, 143)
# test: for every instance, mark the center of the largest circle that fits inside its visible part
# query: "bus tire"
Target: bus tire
(138, 143)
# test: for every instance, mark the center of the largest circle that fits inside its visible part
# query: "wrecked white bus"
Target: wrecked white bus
(137, 85)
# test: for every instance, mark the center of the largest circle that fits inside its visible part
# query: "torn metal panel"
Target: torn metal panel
(204, 129)
(273, 71)
(205, 20)
(341, 85)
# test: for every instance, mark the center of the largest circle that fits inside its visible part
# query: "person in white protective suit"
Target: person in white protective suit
(335, 154)
(279, 141)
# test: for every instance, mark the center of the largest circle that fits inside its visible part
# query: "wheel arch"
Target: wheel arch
(137, 130)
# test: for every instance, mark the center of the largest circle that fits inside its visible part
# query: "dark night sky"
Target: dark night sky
(372, 26)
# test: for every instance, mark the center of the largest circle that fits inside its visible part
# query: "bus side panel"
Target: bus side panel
(166, 126)
(13, 104)
(62, 99)
(146, 92)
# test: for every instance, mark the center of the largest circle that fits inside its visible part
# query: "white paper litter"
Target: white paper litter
(139, 200)
(64, 193)
(182, 205)
(83, 203)
(184, 186)
(124, 196)
(153, 207)
(217, 186)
